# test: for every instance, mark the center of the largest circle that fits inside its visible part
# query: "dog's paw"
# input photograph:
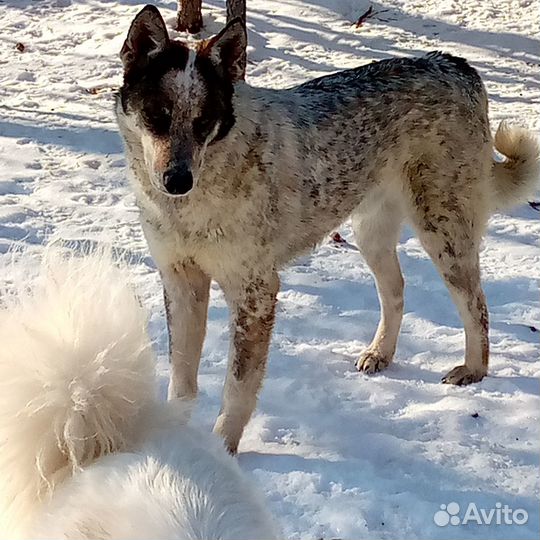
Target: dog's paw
(232, 449)
(230, 431)
(462, 375)
(372, 362)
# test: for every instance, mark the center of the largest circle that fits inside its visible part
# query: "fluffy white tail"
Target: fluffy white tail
(76, 372)
(518, 176)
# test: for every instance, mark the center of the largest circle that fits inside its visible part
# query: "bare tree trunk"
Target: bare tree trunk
(237, 9)
(189, 16)
(190, 19)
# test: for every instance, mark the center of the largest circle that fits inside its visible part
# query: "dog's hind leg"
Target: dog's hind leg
(377, 231)
(449, 215)
(186, 289)
(252, 310)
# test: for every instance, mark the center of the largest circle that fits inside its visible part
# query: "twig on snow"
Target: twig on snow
(370, 14)
(364, 17)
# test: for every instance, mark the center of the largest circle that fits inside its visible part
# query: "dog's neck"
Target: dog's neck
(262, 119)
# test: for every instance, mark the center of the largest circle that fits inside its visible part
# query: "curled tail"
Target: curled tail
(76, 372)
(518, 176)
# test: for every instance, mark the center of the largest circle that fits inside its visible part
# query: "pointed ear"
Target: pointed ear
(146, 34)
(228, 49)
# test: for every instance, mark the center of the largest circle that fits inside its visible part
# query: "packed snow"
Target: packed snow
(339, 454)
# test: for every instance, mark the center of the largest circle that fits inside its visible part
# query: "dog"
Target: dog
(235, 181)
(87, 451)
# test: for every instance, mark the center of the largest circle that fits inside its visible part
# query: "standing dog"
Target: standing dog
(86, 449)
(234, 181)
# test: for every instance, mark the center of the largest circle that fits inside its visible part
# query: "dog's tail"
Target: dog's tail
(76, 375)
(517, 176)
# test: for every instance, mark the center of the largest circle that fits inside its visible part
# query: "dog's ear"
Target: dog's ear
(228, 48)
(147, 34)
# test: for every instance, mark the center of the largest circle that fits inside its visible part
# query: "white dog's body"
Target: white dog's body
(86, 450)
(178, 484)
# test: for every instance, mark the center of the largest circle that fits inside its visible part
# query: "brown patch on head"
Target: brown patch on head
(162, 147)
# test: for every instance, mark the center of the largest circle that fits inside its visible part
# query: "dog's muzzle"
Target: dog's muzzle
(178, 180)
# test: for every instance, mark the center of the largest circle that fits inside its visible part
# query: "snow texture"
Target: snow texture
(338, 454)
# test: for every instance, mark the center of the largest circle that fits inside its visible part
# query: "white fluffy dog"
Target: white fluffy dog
(86, 449)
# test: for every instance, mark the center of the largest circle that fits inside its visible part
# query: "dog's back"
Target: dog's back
(179, 483)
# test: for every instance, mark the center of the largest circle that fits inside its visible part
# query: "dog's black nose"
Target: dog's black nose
(178, 180)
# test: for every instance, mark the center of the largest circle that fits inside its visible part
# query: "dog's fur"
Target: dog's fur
(268, 173)
(86, 451)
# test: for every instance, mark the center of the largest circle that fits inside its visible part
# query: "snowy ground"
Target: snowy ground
(338, 454)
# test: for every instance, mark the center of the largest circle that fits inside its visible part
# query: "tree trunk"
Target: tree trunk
(237, 9)
(189, 16)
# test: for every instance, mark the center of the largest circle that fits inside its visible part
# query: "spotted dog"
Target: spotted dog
(235, 181)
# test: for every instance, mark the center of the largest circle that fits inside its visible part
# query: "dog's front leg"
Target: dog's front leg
(252, 308)
(186, 289)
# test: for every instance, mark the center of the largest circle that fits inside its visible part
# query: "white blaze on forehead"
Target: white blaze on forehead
(186, 78)
(187, 88)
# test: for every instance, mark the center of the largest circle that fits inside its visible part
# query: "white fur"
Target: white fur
(187, 77)
(85, 449)
(519, 176)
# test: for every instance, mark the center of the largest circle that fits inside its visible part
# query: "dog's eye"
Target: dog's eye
(202, 127)
(157, 118)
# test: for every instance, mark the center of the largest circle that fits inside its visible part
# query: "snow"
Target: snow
(338, 454)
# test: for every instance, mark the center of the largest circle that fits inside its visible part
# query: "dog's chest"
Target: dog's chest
(196, 230)
(186, 224)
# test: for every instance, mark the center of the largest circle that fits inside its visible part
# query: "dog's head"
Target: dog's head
(177, 99)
